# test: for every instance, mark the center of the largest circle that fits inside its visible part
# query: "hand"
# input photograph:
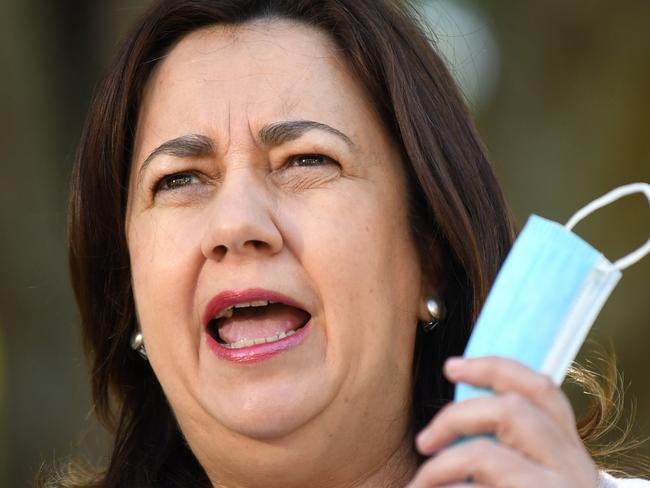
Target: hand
(538, 445)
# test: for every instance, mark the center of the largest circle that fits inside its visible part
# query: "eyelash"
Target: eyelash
(322, 157)
(163, 184)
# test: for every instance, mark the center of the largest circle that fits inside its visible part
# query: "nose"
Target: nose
(240, 221)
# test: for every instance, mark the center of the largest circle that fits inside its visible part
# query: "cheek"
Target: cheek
(356, 247)
(164, 254)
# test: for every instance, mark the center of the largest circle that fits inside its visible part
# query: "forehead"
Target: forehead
(259, 71)
(258, 40)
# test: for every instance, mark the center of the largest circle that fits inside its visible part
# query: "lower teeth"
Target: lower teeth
(251, 342)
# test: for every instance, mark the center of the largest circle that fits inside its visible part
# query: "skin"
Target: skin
(538, 445)
(332, 233)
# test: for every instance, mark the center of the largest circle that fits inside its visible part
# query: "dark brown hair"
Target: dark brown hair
(458, 215)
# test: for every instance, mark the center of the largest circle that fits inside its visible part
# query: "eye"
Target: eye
(309, 160)
(175, 181)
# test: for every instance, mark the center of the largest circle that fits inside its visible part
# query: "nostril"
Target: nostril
(219, 252)
(259, 245)
(246, 228)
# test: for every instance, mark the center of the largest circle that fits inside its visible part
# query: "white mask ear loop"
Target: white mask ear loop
(606, 199)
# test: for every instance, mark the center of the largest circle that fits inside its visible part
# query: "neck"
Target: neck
(387, 469)
(394, 472)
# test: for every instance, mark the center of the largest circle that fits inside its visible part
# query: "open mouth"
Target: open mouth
(256, 322)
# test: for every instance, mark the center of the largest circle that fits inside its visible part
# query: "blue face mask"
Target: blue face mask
(547, 295)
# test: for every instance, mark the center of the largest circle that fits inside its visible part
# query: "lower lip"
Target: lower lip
(258, 352)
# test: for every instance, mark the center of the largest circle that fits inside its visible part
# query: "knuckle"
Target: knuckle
(512, 405)
(485, 459)
(544, 386)
(566, 411)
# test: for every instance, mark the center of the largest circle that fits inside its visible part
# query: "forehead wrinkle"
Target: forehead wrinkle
(227, 137)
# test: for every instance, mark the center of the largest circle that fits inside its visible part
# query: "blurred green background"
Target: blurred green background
(561, 93)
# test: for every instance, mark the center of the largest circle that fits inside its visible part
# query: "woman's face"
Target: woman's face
(261, 174)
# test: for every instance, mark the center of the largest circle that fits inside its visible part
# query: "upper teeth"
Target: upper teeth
(227, 312)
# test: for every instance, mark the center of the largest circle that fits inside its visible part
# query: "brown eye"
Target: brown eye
(308, 160)
(176, 181)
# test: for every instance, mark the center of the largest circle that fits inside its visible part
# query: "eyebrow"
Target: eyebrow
(187, 146)
(279, 132)
(197, 145)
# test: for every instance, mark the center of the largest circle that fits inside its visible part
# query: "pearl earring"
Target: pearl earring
(436, 313)
(137, 343)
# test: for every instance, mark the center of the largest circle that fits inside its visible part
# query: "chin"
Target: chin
(265, 425)
(268, 409)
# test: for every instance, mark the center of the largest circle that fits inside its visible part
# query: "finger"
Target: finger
(485, 463)
(514, 420)
(505, 375)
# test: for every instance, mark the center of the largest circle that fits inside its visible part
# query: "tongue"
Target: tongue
(261, 322)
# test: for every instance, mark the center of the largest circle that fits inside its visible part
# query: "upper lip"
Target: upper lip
(229, 298)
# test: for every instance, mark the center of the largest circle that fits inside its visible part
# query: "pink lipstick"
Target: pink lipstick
(252, 325)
